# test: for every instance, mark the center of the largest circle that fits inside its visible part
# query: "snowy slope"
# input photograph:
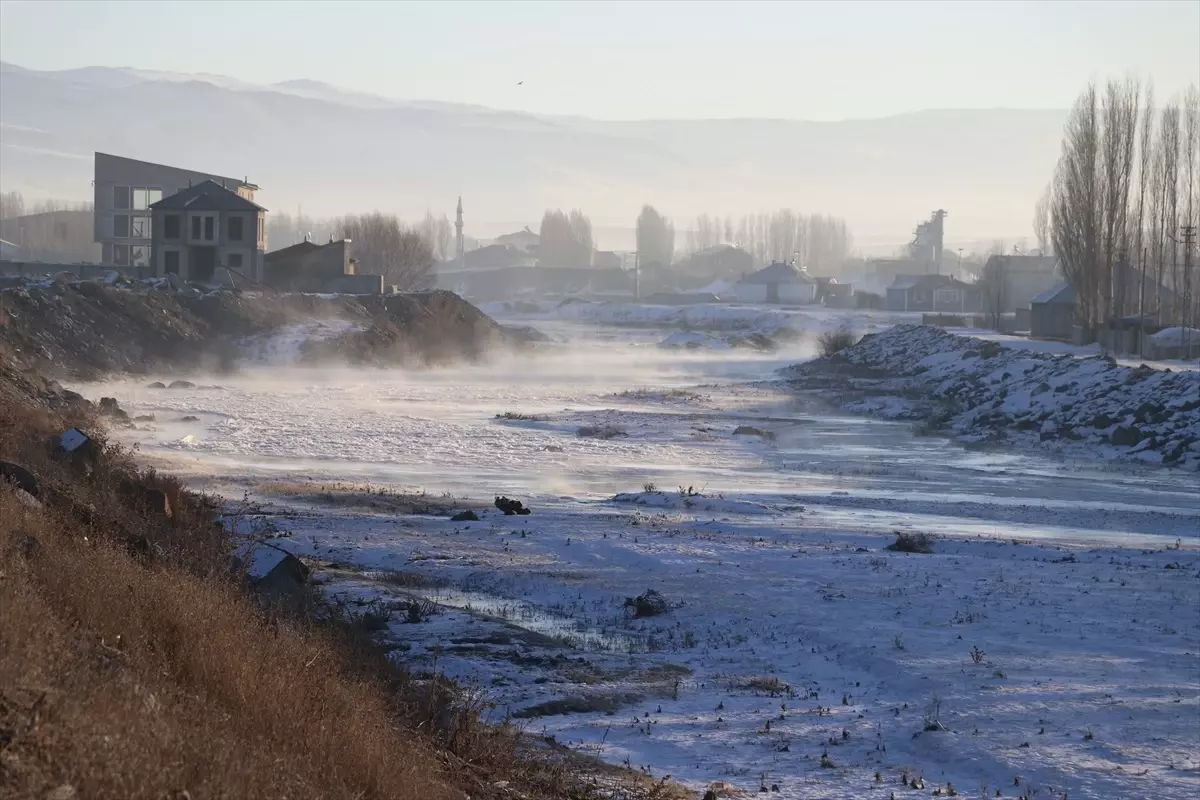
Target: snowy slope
(982, 391)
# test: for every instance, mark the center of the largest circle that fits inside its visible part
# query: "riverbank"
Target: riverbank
(984, 393)
(768, 545)
(136, 661)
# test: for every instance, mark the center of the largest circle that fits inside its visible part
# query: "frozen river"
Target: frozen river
(799, 653)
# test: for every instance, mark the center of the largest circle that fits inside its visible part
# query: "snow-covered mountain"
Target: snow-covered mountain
(334, 151)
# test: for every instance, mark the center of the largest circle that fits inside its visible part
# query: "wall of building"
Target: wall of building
(797, 292)
(244, 255)
(113, 171)
(82, 271)
(751, 292)
(57, 236)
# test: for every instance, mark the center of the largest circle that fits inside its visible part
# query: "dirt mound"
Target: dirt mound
(86, 330)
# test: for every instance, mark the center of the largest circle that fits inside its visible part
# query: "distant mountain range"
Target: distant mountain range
(334, 151)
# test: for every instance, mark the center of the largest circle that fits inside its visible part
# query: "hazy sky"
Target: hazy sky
(618, 60)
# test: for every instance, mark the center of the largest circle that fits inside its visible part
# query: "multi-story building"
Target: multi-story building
(205, 227)
(124, 191)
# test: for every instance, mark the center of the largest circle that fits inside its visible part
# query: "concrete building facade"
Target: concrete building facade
(776, 283)
(125, 189)
(204, 228)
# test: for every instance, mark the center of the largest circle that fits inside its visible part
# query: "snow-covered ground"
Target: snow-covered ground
(983, 392)
(1049, 644)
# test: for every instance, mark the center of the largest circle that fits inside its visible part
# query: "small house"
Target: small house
(934, 294)
(1052, 313)
(776, 283)
(204, 228)
(310, 267)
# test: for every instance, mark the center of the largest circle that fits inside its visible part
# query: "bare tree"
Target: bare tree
(1076, 207)
(1145, 168)
(565, 239)
(384, 245)
(437, 234)
(1118, 137)
(12, 204)
(1168, 168)
(1041, 223)
(655, 237)
(993, 284)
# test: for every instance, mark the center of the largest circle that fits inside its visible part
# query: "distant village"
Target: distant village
(157, 221)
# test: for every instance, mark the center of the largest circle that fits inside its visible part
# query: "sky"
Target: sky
(624, 60)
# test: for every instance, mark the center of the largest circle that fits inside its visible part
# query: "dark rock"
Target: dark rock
(648, 604)
(188, 418)
(181, 385)
(750, 430)
(1126, 436)
(28, 546)
(1101, 421)
(109, 408)
(156, 385)
(78, 447)
(19, 477)
(465, 516)
(511, 507)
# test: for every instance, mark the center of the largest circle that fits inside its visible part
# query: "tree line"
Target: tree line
(1124, 191)
(819, 242)
(404, 254)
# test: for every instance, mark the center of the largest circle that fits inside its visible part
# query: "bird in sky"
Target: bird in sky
(519, 83)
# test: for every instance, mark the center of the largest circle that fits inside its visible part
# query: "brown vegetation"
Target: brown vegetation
(152, 672)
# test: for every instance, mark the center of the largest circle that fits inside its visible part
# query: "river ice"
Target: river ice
(799, 653)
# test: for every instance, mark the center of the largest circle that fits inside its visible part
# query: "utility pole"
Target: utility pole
(1189, 313)
(637, 277)
(1142, 308)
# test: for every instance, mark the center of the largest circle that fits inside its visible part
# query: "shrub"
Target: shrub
(912, 543)
(833, 342)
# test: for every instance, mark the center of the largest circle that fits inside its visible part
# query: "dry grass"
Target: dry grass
(129, 676)
(831, 343)
(141, 681)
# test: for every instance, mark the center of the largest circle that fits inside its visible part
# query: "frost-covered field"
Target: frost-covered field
(797, 651)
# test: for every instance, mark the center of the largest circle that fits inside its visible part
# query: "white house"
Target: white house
(777, 283)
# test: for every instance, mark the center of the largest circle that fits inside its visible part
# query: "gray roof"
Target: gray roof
(1063, 294)
(777, 273)
(206, 196)
(906, 282)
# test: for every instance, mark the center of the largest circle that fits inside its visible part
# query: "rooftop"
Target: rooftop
(206, 196)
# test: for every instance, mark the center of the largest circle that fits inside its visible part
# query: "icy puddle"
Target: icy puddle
(1048, 647)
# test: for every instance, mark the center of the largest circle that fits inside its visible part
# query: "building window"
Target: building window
(196, 228)
(209, 226)
(171, 226)
(236, 225)
(260, 239)
(121, 255)
(139, 228)
(120, 226)
(139, 256)
(120, 197)
(235, 260)
(144, 197)
(171, 262)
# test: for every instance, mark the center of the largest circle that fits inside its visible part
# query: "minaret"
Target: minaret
(458, 226)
